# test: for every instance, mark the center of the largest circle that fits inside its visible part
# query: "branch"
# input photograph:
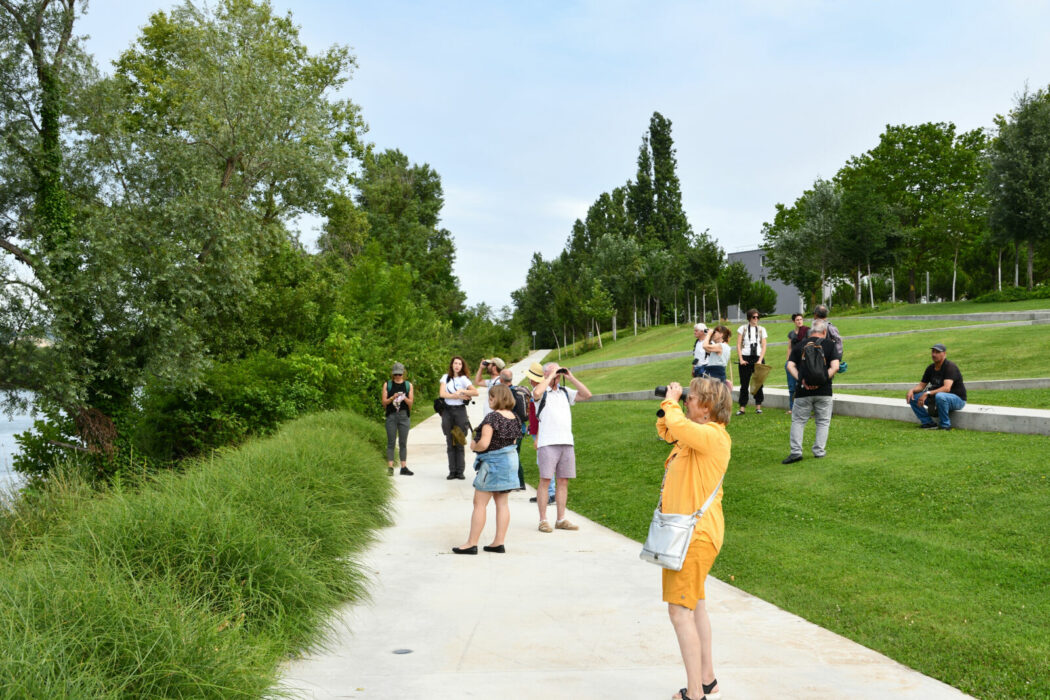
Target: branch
(19, 254)
(35, 289)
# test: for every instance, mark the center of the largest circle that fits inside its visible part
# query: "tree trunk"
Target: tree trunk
(634, 302)
(893, 286)
(718, 304)
(598, 332)
(999, 269)
(676, 305)
(1017, 265)
(704, 317)
(955, 268)
(858, 286)
(614, 326)
(871, 292)
(1031, 254)
(557, 345)
(911, 286)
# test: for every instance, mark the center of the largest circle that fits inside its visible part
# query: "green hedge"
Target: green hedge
(193, 584)
(1040, 291)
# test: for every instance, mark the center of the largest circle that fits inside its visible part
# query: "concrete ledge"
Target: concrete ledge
(995, 384)
(993, 419)
(1034, 315)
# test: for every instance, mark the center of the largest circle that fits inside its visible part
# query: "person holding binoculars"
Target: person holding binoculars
(555, 453)
(693, 471)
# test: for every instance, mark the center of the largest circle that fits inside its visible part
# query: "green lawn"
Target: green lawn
(990, 353)
(929, 547)
(959, 307)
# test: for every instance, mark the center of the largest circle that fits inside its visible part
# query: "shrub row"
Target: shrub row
(1041, 291)
(193, 584)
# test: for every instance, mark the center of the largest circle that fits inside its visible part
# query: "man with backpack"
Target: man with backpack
(522, 398)
(555, 452)
(813, 363)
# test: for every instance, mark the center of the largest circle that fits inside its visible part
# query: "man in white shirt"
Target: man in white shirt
(699, 355)
(492, 367)
(556, 455)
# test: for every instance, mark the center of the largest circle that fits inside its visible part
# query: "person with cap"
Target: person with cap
(398, 397)
(555, 450)
(942, 386)
(535, 376)
(492, 367)
(701, 334)
(812, 364)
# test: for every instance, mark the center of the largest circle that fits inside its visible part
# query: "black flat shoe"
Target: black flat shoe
(460, 476)
(498, 549)
(450, 477)
(468, 550)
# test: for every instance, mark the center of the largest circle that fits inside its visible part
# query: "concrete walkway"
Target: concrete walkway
(562, 615)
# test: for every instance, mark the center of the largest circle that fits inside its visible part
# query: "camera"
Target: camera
(661, 392)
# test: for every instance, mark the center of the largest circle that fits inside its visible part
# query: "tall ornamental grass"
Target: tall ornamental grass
(193, 584)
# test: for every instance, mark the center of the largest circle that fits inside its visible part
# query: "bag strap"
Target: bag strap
(703, 509)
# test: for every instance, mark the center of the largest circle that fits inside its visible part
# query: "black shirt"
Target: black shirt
(393, 388)
(829, 354)
(934, 379)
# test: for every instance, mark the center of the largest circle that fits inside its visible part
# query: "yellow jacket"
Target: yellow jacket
(696, 464)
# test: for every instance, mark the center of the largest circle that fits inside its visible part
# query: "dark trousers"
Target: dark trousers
(745, 381)
(455, 415)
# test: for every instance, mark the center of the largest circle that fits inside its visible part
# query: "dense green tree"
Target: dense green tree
(403, 204)
(1019, 174)
(923, 173)
(800, 243)
(672, 226)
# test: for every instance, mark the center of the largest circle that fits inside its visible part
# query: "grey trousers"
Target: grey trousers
(397, 425)
(820, 408)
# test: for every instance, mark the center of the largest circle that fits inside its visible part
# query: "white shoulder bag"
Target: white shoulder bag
(671, 533)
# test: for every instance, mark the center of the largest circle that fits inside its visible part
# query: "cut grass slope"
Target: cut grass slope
(929, 547)
(195, 584)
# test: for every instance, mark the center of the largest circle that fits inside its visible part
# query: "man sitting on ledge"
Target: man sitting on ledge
(942, 385)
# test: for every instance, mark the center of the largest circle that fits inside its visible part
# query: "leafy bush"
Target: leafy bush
(1041, 291)
(195, 584)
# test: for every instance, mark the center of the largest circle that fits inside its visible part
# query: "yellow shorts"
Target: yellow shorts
(686, 587)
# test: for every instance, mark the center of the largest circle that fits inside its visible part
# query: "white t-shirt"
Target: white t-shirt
(454, 385)
(719, 359)
(750, 334)
(698, 352)
(485, 410)
(556, 418)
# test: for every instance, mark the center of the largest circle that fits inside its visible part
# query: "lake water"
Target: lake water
(8, 448)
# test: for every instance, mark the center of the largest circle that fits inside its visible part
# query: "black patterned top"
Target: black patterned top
(505, 431)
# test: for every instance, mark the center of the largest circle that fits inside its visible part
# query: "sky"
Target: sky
(530, 110)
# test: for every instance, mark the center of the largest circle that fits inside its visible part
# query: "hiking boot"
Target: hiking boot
(565, 525)
(545, 526)
(405, 471)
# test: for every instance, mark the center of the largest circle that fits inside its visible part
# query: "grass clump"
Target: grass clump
(195, 584)
(929, 547)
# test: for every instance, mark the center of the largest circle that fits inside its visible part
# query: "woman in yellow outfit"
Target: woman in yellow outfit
(694, 469)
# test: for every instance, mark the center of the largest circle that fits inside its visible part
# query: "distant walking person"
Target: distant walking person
(692, 473)
(942, 386)
(795, 336)
(701, 334)
(750, 350)
(456, 390)
(813, 364)
(497, 467)
(398, 397)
